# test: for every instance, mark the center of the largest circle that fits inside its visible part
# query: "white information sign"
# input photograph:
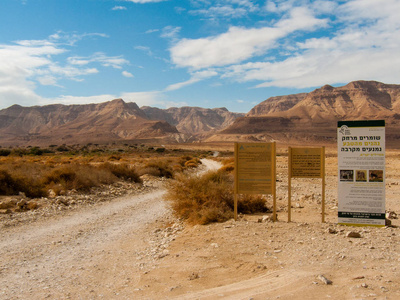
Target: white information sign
(361, 172)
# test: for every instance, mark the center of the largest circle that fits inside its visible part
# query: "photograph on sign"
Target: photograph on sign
(361, 172)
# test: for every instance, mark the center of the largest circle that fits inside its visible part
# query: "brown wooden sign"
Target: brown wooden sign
(306, 163)
(255, 170)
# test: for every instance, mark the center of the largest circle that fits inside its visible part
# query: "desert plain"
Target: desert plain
(130, 245)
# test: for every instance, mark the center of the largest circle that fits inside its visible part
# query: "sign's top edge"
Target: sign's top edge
(362, 123)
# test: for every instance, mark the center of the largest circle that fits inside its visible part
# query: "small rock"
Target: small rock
(324, 279)
(331, 230)
(391, 215)
(364, 285)
(388, 222)
(194, 276)
(353, 234)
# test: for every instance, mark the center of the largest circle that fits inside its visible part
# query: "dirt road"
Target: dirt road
(133, 248)
(82, 255)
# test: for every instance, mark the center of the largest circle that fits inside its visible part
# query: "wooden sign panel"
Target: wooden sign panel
(306, 162)
(254, 168)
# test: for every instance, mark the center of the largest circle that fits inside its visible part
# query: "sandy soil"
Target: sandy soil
(133, 248)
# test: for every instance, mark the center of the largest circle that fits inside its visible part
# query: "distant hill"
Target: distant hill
(194, 122)
(107, 122)
(78, 124)
(313, 116)
(299, 118)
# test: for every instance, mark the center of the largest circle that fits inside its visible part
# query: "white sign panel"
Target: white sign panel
(361, 172)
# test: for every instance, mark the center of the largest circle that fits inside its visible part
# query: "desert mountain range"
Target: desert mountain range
(299, 117)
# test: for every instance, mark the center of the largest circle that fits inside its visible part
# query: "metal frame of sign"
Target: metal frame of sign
(306, 163)
(255, 171)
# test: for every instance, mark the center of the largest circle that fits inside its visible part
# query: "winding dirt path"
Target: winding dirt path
(82, 255)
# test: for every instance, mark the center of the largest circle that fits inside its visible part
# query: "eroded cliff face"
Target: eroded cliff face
(105, 122)
(299, 117)
(314, 116)
(194, 121)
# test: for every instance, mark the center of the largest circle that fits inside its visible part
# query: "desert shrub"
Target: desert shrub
(62, 148)
(159, 168)
(36, 151)
(5, 152)
(202, 199)
(13, 184)
(78, 177)
(7, 183)
(250, 204)
(209, 198)
(122, 171)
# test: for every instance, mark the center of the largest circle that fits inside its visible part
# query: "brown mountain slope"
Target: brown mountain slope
(104, 122)
(193, 121)
(314, 116)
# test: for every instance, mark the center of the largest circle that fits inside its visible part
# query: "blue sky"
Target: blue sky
(164, 53)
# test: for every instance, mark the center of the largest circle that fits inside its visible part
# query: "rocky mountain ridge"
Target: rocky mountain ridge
(313, 116)
(293, 118)
(106, 122)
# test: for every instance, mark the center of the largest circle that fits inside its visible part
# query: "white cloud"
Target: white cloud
(239, 44)
(127, 74)
(366, 48)
(224, 8)
(119, 8)
(361, 43)
(196, 77)
(115, 62)
(28, 63)
(170, 32)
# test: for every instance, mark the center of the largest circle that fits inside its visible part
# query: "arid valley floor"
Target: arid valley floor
(132, 247)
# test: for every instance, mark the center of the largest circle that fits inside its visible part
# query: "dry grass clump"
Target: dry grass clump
(202, 199)
(77, 177)
(122, 171)
(158, 168)
(36, 179)
(12, 183)
(209, 198)
(168, 167)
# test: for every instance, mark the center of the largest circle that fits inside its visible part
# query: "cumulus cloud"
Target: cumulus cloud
(127, 74)
(25, 64)
(239, 44)
(348, 41)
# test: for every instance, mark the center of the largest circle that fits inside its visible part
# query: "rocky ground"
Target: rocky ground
(124, 243)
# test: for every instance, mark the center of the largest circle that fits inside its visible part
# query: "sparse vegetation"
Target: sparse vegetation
(35, 171)
(209, 198)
